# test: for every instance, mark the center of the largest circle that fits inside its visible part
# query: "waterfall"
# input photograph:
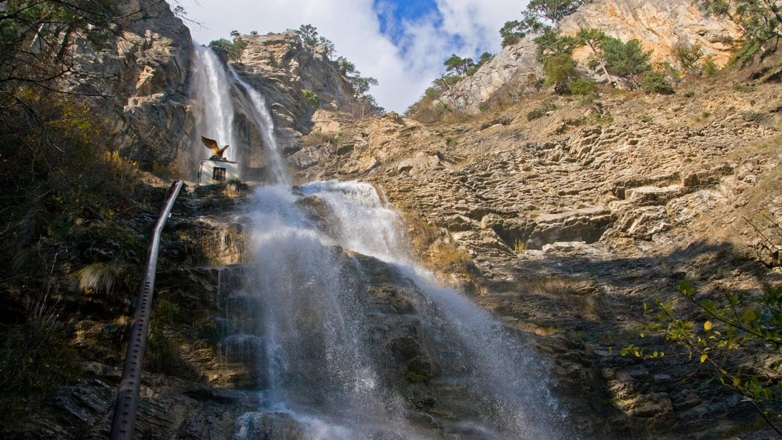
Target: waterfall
(322, 367)
(263, 119)
(213, 106)
(308, 324)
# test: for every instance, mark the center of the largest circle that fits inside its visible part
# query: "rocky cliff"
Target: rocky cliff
(659, 25)
(567, 224)
(143, 71)
(283, 69)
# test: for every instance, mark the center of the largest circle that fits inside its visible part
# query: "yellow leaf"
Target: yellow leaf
(704, 356)
(736, 381)
(707, 325)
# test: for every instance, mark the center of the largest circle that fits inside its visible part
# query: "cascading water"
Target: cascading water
(320, 366)
(263, 119)
(213, 105)
(310, 330)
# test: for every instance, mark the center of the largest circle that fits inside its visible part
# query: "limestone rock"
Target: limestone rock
(660, 25)
(144, 70)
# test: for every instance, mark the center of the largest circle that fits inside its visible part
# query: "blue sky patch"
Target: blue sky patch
(392, 12)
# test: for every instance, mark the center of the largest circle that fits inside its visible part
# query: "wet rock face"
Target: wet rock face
(282, 68)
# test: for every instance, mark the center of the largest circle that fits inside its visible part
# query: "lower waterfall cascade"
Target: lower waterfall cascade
(319, 360)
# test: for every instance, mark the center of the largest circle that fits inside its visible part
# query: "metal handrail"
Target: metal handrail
(123, 422)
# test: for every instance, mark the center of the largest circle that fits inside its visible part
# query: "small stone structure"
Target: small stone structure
(216, 171)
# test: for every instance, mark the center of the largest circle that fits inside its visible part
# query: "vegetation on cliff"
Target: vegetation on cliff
(66, 191)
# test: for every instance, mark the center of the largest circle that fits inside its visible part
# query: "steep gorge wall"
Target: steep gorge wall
(660, 26)
(281, 68)
(144, 71)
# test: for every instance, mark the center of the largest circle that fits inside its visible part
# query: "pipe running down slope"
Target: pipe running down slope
(123, 422)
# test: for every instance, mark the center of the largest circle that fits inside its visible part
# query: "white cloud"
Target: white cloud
(465, 27)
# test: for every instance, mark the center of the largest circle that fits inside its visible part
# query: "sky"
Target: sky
(401, 43)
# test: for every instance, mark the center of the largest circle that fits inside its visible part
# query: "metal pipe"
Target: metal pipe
(123, 422)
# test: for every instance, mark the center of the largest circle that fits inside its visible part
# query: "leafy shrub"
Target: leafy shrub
(722, 329)
(655, 82)
(35, 358)
(709, 67)
(541, 111)
(583, 86)
(228, 50)
(739, 87)
(536, 114)
(626, 60)
(560, 72)
(688, 54)
(645, 118)
(311, 98)
(689, 94)
(451, 142)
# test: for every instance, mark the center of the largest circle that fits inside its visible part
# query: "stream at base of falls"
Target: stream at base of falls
(335, 362)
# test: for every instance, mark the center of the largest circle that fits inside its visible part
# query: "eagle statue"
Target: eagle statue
(212, 145)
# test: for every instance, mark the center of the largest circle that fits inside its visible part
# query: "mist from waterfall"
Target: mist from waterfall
(212, 105)
(321, 366)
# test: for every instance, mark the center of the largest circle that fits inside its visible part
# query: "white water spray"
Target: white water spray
(322, 367)
(318, 364)
(213, 106)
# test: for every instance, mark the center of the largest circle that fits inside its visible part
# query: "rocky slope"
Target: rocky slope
(660, 25)
(566, 224)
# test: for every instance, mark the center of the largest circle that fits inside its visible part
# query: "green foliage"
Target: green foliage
(36, 38)
(308, 34)
(709, 67)
(594, 38)
(35, 358)
(311, 98)
(688, 55)
(553, 10)
(723, 329)
(689, 94)
(739, 87)
(534, 17)
(551, 44)
(583, 86)
(458, 64)
(655, 82)
(645, 118)
(361, 84)
(484, 58)
(626, 60)
(319, 138)
(228, 50)
(513, 31)
(451, 141)
(540, 111)
(519, 246)
(760, 21)
(345, 67)
(560, 72)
